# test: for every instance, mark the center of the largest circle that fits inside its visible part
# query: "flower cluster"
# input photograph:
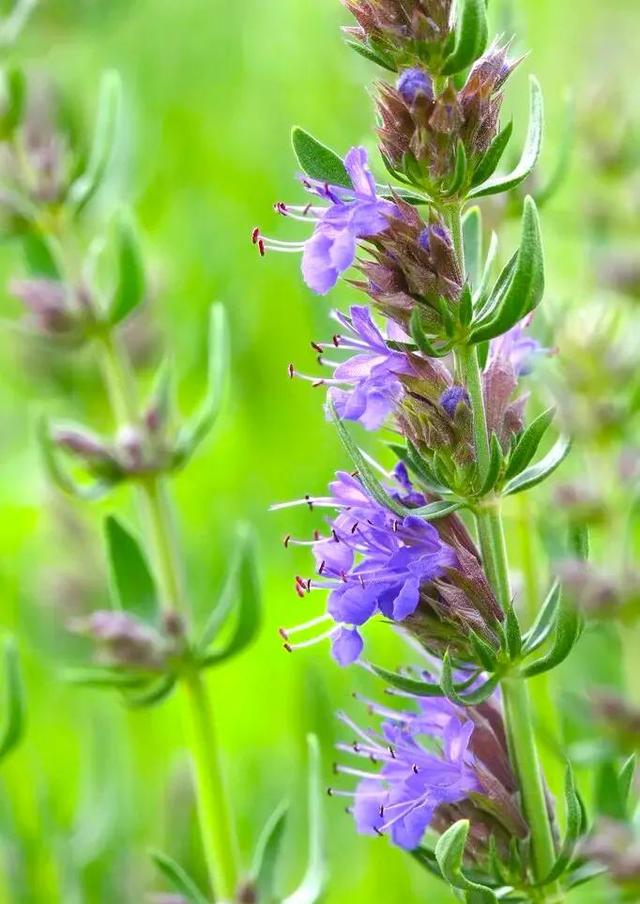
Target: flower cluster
(433, 763)
(376, 562)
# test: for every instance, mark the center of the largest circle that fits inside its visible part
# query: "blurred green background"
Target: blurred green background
(212, 89)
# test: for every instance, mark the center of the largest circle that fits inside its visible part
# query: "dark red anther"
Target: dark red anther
(355, 527)
(381, 811)
(286, 541)
(308, 585)
(322, 566)
(288, 647)
(316, 347)
(317, 383)
(307, 209)
(316, 535)
(291, 371)
(309, 501)
(261, 248)
(283, 633)
(378, 832)
(336, 340)
(255, 235)
(336, 538)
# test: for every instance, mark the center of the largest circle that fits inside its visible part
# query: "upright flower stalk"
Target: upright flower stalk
(438, 356)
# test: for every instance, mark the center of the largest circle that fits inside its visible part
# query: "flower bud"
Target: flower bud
(122, 639)
(414, 84)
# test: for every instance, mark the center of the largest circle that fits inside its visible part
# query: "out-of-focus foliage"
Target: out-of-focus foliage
(210, 91)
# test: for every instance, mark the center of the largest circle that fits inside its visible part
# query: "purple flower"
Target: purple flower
(426, 762)
(372, 373)
(373, 562)
(353, 213)
(517, 348)
(414, 83)
(452, 397)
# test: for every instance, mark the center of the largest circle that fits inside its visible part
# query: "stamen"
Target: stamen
(287, 632)
(290, 648)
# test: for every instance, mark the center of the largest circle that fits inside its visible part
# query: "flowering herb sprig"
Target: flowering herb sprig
(443, 366)
(147, 643)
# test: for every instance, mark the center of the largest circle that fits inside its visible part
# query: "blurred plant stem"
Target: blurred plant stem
(515, 693)
(214, 810)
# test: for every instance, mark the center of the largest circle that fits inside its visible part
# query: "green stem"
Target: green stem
(214, 809)
(517, 706)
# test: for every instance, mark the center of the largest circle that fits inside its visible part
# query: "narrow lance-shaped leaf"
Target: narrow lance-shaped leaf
(365, 473)
(479, 695)
(530, 152)
(472, 242)
(450, 854)
(459, 173)
(485, 277)
(540, 471)
(179, 878)
(247, 599)
(109, 104)
(513, 634)
(197, 428)
(528, 443)
(568, 626)
(265, 861)
(14, 705)
(156, 691)
(422, 340)
(525, 288)
(545, 620)
(371, 55)
(492, 156)
(313, 883)
(132, 584)
(472, 34)
(317, 160)
(495, 465)
(15, 92)
(130, 288)
(572, 834)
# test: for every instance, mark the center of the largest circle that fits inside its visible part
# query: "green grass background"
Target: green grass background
(212, 89)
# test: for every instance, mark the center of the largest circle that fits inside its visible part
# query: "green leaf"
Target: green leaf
(109, 104)
(472, 34)
(436, 510)
(421, 339)
(249, 615)
(495, 466)
(450, 853)
(39, 257)
(15, 89)
(113, 678)
(317, 160)
(266, 856)
(579, 540)
(14, 703)
(524, 290)
(371, 55)
(459, 173)
(365, 472)
(479, 695)
(625, 778)
(465, 306)
(156, 691)
(201, 424)
(492, 156)
(472, 243)
(567, 140)
(540, 471)
(610, 797)
(528, 443)
(91, 492)
(132, 584)
(568, 627)
(179, 878)
(427, 859)
(130, 290)
(572, 834)
(513, 634)
(481, 288)
(530, 152)
(312, 886)
(545, 621)
(409, 685)
(492, 303)
(486, 654)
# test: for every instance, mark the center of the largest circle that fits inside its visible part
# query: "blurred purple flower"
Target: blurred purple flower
(517, 348)
(353, 213)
